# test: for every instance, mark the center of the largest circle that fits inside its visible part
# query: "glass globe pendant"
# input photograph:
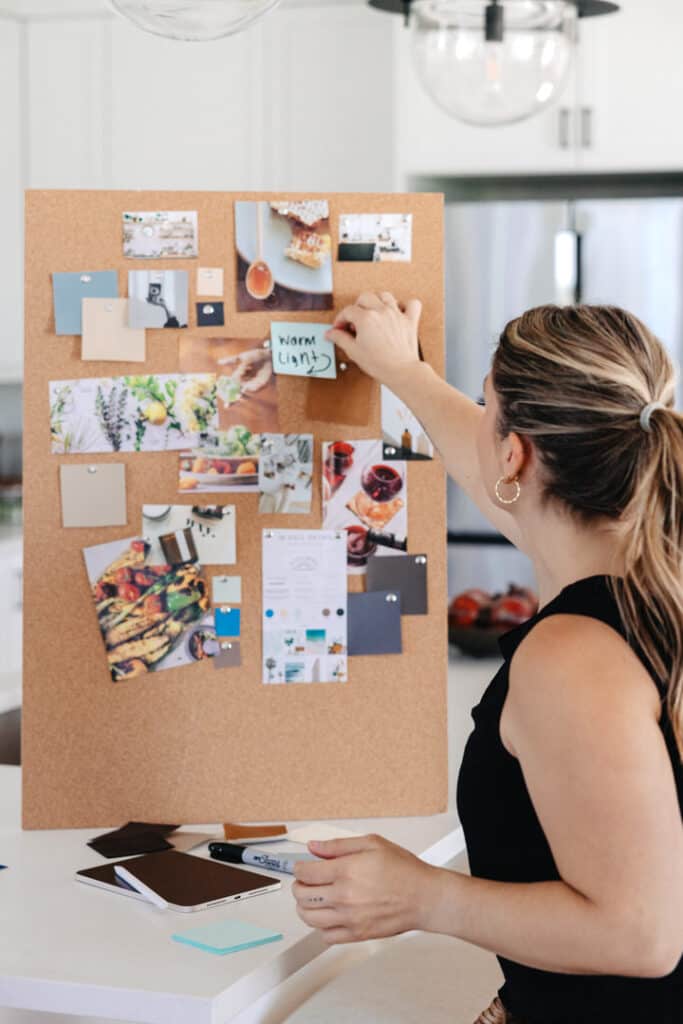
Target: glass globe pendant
(193, 20)
(491, 62)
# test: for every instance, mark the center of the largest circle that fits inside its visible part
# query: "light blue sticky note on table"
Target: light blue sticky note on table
(302, 350)
(227, 621)
(226, 937)
(227, 589)
(69, 289)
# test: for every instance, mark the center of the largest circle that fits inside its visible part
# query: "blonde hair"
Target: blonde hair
(575, 381)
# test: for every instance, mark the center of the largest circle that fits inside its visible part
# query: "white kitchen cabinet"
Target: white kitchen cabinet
(618, 113)
(11, 201)
(631, 89)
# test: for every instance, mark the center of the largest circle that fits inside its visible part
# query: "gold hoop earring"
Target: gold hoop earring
(518, 490)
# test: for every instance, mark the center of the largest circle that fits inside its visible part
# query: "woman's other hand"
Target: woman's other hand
(378, 334)
(363, 888)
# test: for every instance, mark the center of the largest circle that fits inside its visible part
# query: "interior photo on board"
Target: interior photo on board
(157, 298)
(160, 235)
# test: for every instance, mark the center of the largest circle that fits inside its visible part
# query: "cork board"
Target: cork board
(194, 744)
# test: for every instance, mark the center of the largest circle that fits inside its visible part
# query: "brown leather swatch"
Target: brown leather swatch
(233, 831)
(347, 399)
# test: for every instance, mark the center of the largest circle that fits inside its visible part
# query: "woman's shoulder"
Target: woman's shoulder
(578, 657)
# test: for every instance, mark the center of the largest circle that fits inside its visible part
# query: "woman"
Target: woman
(571, 787)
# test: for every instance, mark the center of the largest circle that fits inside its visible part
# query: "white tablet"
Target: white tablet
(186, 883)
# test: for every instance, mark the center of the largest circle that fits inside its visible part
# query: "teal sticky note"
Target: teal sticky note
(69, 290)
(227, 621)
(224, 937)
(302, 350)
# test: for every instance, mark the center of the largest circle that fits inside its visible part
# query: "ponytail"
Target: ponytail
(650, 597)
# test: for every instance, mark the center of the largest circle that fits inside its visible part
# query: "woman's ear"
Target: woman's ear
(516, 455)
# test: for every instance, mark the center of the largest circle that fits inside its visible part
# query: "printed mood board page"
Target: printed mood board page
(304, 606)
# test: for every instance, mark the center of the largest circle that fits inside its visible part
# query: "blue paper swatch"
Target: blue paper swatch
(227, 621)
(224, 937)
(69, 289)
(302, 350)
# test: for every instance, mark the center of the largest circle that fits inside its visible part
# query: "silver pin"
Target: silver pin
(226, 608)
(86, 278)
(92, 469)
(266, 343)
(225, 646)
(392, 598)
(343, 367)
(267, 533)
(389, 450)
(338, 536)
(207, 309)
(421, 560)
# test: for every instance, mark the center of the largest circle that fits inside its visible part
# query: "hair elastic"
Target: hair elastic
(646, 415)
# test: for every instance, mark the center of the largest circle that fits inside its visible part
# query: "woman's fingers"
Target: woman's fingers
(346, 342)
(369, 300)
(389, 300)
(414, 310)
(319, 918)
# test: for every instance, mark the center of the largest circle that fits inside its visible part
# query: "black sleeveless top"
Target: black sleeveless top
(505, 842)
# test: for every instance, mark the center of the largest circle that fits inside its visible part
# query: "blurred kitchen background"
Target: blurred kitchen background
(578, 202)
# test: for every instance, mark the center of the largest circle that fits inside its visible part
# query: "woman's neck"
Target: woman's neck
(563, 550)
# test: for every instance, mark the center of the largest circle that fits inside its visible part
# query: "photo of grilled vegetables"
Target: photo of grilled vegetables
(143, 611)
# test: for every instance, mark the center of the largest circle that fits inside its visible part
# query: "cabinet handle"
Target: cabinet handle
(564, 127)
(587, 127)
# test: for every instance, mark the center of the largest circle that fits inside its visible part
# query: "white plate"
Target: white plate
(277, 233)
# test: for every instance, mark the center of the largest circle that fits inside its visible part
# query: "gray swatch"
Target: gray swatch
(374, 623)
(405, 573)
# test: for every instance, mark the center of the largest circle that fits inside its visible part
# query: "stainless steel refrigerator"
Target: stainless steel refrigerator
(505, 257)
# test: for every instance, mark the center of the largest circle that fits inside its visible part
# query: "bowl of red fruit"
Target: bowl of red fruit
(477, 618)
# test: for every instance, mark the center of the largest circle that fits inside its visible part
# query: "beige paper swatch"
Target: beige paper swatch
(210, 282)
(94, 494)
(106, 334)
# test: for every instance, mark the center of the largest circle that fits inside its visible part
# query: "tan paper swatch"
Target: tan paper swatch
(94, 494)
(106, 334)
(210, 282)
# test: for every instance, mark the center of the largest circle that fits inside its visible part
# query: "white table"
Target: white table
(73, 949)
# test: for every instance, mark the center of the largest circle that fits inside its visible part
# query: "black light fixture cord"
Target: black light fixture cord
(494, 23)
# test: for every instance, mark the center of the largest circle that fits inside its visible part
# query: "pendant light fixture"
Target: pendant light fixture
(193, 20)
(491, 62)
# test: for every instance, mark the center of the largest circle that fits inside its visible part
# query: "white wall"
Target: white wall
(282, 105)
(11, 206)
(89, 101)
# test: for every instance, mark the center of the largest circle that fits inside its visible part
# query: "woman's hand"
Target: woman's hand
(378, 335)
(365, 888)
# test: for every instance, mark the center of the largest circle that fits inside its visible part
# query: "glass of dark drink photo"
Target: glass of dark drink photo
(358, 546)
(338, 462)
(381, 482)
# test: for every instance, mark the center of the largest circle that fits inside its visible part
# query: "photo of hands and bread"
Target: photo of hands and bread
(284, 255)
(246, 385)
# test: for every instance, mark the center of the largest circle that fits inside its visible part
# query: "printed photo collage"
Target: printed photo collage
(217, 416)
